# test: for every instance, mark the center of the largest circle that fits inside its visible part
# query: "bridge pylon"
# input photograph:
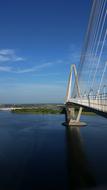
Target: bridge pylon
(71, 118)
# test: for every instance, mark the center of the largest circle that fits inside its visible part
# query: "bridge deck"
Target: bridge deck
(98, 106)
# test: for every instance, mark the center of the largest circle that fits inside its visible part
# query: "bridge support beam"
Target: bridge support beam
(71, 118)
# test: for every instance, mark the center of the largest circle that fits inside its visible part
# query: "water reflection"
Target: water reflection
(32, 152)
(80, 175)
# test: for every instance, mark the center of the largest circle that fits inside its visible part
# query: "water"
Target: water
(32, 152)
(95, 145)
(38, 152)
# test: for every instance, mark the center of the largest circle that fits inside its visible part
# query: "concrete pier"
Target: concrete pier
(71, 118)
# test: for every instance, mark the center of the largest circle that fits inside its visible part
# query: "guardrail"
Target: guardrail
(98, 102)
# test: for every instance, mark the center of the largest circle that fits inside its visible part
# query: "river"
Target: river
(38, 152)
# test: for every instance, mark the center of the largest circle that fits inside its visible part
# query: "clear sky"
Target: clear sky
(39, 39)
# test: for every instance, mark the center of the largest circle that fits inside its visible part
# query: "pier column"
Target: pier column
(71, 118)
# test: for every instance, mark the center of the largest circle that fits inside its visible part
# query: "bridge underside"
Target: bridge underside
(99, 109)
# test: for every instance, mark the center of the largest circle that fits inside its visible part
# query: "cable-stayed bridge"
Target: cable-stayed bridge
(87, 85)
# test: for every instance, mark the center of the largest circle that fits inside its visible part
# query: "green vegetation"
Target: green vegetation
(46, 110)
(87, 113)
(38, 111)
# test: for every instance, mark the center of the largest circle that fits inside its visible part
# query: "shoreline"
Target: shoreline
(9, 108)
(45, 111)
(40, 109)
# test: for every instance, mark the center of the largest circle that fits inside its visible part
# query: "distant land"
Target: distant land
(30, 105)
(34, 108)
(38, 108)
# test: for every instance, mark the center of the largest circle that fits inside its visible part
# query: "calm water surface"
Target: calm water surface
(34, 151)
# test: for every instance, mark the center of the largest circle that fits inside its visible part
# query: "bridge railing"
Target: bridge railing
(97, 96)
(98, 102)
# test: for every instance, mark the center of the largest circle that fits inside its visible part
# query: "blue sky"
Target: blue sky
(38, 42)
